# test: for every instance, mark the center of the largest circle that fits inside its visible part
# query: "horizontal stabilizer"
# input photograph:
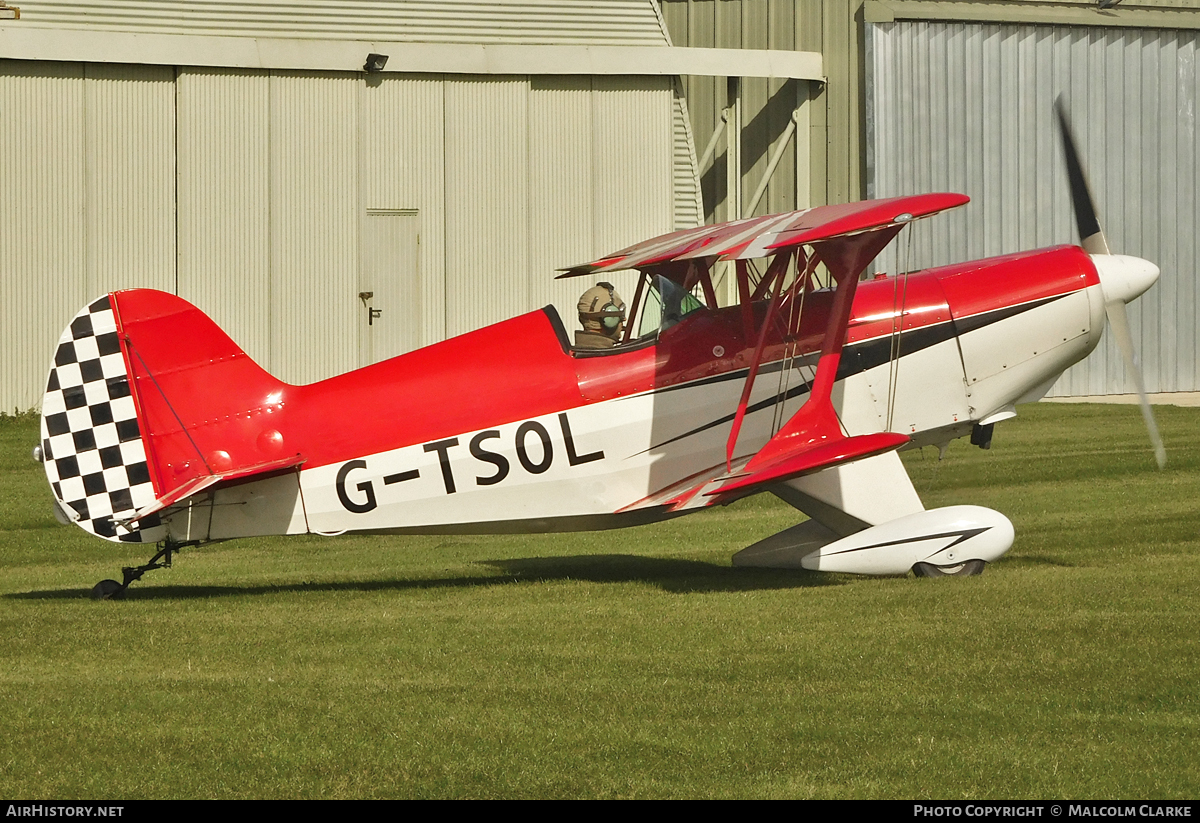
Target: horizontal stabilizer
(199, 484)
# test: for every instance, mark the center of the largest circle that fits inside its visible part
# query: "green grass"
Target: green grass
(629, 664)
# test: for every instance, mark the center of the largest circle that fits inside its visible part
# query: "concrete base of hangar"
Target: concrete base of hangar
(1180, 398)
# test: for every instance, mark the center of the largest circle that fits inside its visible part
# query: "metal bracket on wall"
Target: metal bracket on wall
(774, 162)
(365, 297)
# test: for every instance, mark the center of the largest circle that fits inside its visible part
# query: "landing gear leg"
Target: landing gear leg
(112, 590)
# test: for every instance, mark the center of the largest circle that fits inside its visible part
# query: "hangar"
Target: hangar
(339, 184)
(929, 95)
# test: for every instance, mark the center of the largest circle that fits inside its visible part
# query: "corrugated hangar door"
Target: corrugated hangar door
(86, 201)
(272, 199)
(968, 107)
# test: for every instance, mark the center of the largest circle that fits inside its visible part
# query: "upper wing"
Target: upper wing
(845, 238)
(764, 236)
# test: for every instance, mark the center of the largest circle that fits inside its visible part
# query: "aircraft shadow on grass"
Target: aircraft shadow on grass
(671, 575)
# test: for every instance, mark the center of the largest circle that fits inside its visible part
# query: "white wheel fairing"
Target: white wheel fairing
(942, 537)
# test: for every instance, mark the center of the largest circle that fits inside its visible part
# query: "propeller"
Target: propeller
(1122, 278)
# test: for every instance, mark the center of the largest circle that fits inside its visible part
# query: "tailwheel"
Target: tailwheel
(112, 590)
(107, 590)
(968, 569)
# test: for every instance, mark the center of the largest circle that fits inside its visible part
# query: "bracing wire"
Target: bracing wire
(803, 281)
(752, 276)
(899, 302)
(791, 347)
(809, 283)
(167, 400)
(781, 383)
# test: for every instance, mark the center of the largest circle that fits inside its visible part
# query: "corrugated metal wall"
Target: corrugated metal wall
(487, 232)
(689, 204)
(269, 213)
(594, 22)
(315, 213)
(969, 107)
(561, 180)
(631, 122)
(87, 196)
(129, 136)
(767, 104)
(224, 198)
(509, 179)
(277, 177)
(43, 278)
(277, 173)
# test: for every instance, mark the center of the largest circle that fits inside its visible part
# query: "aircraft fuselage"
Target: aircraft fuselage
(507, 429)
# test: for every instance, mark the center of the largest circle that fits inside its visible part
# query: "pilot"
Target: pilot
(602, 315)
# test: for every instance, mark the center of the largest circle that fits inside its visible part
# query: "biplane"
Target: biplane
(157, 428)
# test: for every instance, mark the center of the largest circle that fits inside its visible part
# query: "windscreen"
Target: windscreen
(665, 305)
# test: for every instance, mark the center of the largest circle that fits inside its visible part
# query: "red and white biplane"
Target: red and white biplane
(157, 428)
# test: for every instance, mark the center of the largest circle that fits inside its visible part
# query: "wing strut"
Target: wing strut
(775, 273)
(813, 437)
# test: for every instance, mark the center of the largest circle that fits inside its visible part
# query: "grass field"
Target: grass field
(629, 664)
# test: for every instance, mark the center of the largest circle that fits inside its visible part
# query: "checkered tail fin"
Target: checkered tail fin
(148, 404)
(92, 445)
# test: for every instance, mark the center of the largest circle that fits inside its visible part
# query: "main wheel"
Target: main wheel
(107, 589)
(968, 569)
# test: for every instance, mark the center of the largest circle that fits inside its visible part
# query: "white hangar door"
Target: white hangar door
(969, 108)
(86, 200)
(389, 284)
(299, 191)
(401, 182)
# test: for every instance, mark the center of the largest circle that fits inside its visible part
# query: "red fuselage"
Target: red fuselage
(521, 368)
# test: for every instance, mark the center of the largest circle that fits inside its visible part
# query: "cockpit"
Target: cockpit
(657, 305)
(663, 305)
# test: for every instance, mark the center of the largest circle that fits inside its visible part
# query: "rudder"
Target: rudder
(148, 402)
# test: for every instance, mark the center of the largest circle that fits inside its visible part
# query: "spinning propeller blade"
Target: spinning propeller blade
(1122, 278)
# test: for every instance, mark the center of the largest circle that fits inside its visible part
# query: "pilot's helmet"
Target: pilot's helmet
(601, 309)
